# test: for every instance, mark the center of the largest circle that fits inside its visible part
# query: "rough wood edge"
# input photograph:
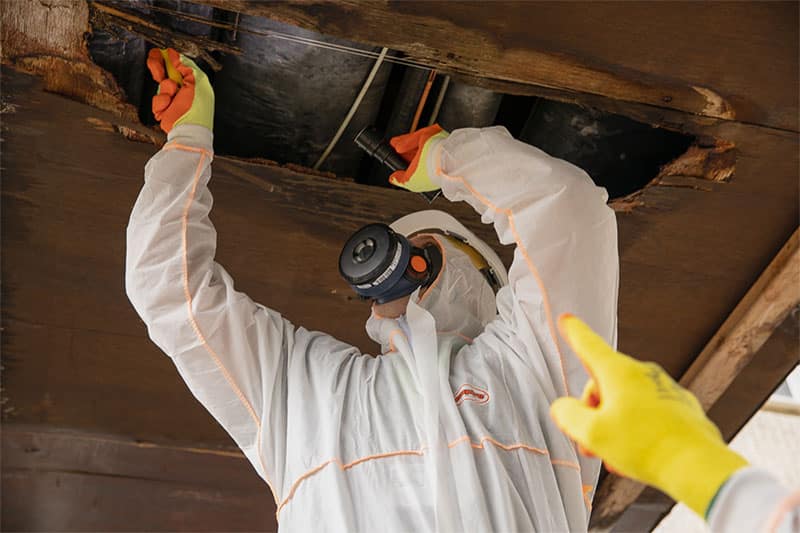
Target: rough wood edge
(765, 306)
(747, 328)
(477, 53)
(106, 17)
(16, 430)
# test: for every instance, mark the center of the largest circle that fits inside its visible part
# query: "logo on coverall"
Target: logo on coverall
(471, 393)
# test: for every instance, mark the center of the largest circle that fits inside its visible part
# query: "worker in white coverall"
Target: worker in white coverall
(450, 427)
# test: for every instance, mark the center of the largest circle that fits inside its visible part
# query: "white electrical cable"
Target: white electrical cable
(439, 99)
(353, 109)
(289, 37)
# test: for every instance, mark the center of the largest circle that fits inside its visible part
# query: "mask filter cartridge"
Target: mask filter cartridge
(382, 265)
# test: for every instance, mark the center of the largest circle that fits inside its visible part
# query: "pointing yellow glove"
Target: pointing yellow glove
(643, 424)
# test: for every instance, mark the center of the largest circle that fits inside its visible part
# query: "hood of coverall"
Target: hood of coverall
(460, 300)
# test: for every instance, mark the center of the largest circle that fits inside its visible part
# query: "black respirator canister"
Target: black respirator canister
(382, 265)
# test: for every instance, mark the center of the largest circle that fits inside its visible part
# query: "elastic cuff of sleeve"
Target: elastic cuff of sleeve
(433, 157)
(192, 135)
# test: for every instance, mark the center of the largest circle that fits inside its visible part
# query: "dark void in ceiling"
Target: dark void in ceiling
(286, 94)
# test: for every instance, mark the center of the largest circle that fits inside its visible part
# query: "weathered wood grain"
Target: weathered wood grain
(765, 306)
(112, 19)
(65, 481)
(48, 39)
(715, 59)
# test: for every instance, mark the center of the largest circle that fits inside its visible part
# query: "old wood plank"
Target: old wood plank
(702, 58)
(66, 481)
(779, 355)
(760, 312)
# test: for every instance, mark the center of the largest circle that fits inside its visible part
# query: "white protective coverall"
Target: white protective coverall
(449, 428)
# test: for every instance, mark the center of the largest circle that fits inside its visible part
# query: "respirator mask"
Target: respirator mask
(380, 263)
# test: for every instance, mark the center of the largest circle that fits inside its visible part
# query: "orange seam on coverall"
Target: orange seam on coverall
(784, 506)
(568, 464)
(508, 448)
(342, 467)
(457, 334)
(420, 452)
(187, 293)
(587, 501)
(545, 300)
(177, 146)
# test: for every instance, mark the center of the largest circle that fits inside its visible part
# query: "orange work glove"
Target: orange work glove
(415, 148)
(184, 93)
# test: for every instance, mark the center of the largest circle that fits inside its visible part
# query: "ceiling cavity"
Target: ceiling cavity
(285, 94)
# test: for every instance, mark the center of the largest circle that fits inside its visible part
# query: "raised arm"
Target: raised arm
(231, 352)
(228, 349)
(565, 235)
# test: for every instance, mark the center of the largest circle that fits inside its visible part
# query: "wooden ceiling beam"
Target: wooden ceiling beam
(720, 60)
(57, 479)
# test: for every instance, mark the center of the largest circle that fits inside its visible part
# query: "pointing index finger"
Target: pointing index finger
(600, 360)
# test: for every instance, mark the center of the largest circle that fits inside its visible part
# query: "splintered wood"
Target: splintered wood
(49, 39)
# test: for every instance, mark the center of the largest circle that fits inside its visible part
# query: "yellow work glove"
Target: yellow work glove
(184, 93)
(415, 148)
(644, 425)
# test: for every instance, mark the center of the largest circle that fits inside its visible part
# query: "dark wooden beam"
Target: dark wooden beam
(61, 480)
(722, 60)
(765, 306)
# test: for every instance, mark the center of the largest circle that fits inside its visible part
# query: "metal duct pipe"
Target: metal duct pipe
(465, 106)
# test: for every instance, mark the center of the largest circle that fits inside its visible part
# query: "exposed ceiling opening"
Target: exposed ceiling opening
(285, 94)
